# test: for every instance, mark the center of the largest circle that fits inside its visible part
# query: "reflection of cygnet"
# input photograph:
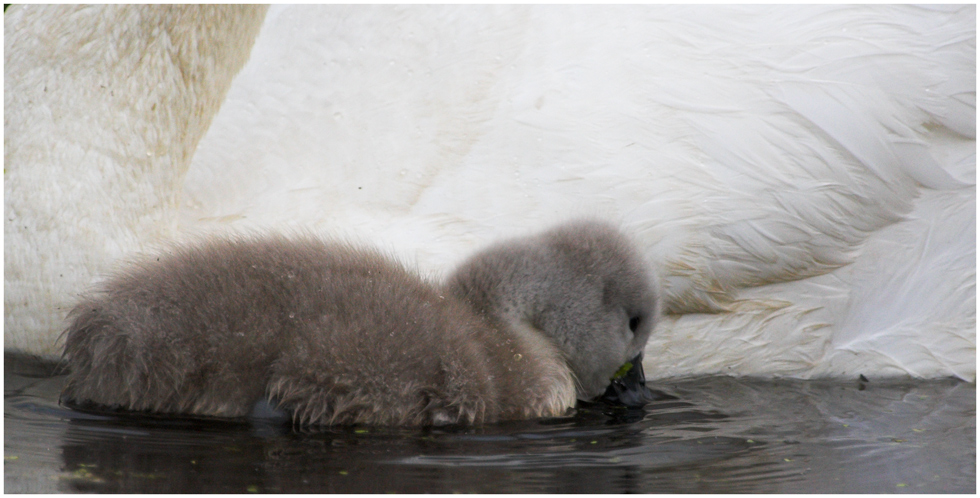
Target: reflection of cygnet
(335, 334)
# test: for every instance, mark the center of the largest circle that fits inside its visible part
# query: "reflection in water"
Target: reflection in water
(719, 435)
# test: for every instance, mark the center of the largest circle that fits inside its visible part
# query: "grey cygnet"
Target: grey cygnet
(334, 334)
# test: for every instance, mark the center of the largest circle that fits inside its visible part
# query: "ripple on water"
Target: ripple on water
(720, 435)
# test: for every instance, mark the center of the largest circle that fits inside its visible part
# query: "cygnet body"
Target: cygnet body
(335, 334)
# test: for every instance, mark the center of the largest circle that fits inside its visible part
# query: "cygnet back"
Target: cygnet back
(333, 333)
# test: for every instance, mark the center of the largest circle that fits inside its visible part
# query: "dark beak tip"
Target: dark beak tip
(629, 390)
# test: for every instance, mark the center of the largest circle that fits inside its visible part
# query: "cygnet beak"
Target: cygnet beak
(628, 387)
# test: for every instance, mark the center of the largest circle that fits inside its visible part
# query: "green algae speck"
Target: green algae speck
(623, 370)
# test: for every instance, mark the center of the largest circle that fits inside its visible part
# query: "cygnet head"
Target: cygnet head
(583, 285)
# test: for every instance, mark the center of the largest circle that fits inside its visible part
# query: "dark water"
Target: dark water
(720, 435)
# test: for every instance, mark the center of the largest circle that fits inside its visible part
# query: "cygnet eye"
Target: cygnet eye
(634, 323)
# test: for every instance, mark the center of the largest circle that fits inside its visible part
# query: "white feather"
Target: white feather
(801, 177)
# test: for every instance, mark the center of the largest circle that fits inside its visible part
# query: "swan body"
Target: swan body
(802, 177)
(103, 109)
(336, 334)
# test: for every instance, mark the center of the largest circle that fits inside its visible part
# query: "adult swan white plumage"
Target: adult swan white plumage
(803, 178)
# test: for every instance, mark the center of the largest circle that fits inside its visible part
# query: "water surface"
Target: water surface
(720, 434)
